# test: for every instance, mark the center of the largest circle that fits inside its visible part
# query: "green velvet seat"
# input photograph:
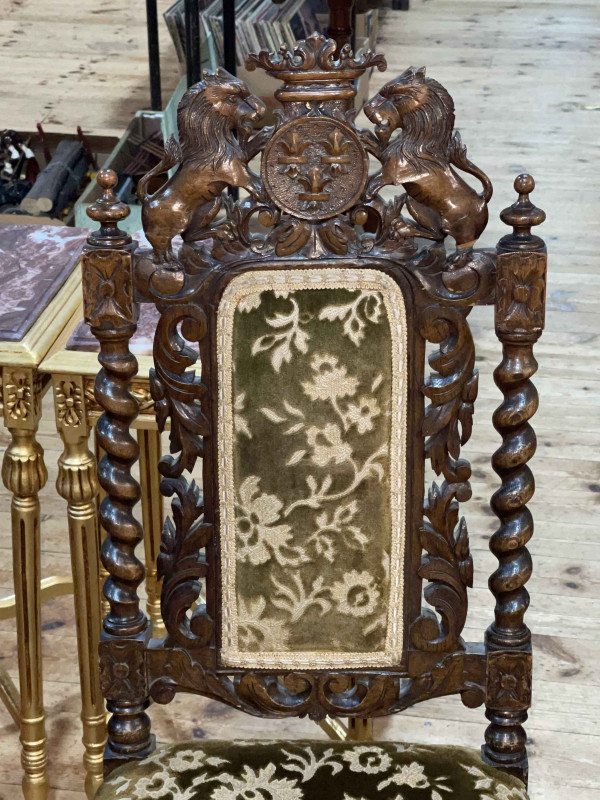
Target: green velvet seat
(310, 770)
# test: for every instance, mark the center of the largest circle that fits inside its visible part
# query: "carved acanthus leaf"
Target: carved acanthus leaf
(177, 391)
(448, 567)
(452, 390)
(181, 564)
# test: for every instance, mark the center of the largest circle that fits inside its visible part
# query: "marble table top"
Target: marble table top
(140, 344)
(35, 262)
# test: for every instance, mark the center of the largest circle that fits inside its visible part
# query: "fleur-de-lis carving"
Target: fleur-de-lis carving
(294, 147)
(336, 145)
(315, 183)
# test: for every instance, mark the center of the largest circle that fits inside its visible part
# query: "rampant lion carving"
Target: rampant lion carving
(209, 155)
(422, 156)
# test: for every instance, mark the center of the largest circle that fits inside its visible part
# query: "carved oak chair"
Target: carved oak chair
(313, 420)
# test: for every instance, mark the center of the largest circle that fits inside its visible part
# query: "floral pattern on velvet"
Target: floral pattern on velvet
(306, 770)
(311, 404)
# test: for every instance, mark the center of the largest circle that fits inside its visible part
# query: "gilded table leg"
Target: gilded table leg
(78, 484)
(104, 607)
(24, 474)
(334, 728)
(360, 729)
(152, 516)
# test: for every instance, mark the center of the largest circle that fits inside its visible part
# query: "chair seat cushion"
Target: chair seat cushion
(310, 770)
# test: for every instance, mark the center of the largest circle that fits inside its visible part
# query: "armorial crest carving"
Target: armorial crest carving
(313, 196)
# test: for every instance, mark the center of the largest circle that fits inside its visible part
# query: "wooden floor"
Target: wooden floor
(78, 62)
(525, 76)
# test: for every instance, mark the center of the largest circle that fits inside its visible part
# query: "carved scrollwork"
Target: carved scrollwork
(448, 566)
(316, 695)
(181, 565)
(177, 391)
(452, 390)
(316, 53)
(446, 563)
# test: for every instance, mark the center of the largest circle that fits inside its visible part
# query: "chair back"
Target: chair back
(290, 363)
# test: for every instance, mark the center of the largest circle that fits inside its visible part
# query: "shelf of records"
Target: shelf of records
(260, 25)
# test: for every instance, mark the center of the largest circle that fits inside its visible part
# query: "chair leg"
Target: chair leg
(78, 484)
(24, 475)
(152, 518)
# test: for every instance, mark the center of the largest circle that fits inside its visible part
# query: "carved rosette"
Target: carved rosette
(123, 670)
(508, 680)
(68, 398)
(107, 287)
(21, 389)
(521, 285)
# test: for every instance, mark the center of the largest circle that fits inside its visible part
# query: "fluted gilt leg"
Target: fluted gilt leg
(520, 298)
(104, 607)
(152, 520)
(24, 475)
(78, 484)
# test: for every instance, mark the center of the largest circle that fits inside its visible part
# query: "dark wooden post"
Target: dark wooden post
(520, 305)
(153, 55)
(340, 22)
(110, 311)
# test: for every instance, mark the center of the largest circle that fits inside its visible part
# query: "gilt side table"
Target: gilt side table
(41, 290)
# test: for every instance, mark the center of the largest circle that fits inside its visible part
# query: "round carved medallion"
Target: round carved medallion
(314, 168)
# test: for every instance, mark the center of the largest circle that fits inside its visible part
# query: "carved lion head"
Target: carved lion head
(230, 97)
(395, 100)
(211, 110)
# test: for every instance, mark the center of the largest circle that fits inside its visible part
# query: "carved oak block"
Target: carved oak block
(508, 680)
(521, 286)
(107, 287)
(123, 670)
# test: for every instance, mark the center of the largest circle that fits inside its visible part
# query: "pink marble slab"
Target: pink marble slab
(141, 343)
(35, 261)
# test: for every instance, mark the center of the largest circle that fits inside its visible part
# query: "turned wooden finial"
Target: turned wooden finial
(108, 210)
(522, 215)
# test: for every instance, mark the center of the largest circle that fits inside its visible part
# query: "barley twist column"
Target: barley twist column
(110, 311)
(520, 299)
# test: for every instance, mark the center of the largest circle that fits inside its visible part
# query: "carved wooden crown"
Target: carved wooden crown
(312, 69)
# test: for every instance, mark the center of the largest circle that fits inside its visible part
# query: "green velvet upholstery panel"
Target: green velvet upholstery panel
(312, 438)
(305, 770)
